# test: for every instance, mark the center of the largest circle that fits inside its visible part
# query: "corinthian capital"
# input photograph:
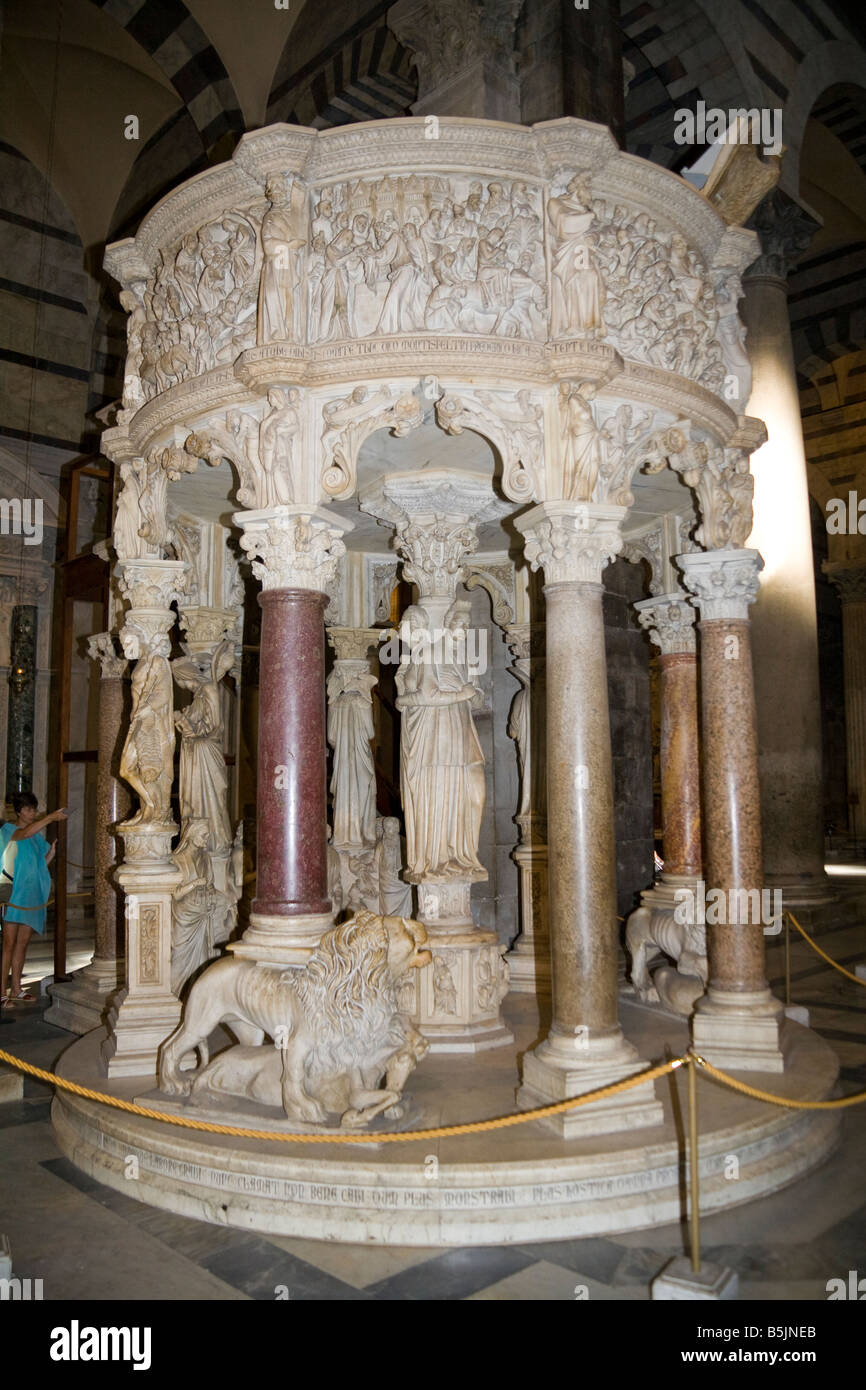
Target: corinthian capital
(571, 541)
(723, 582)
(297, 547)
(785, 229)
(670, 622)
(100, 647)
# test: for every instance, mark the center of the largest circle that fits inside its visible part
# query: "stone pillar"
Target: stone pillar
(80, 1003)
(298, 548)
(146, 1011)
(458, 996)
(353, 784)
(585, 1047)
(529, 958)
(736, 1025)
(670, 621)
(465, 56)
(850, 580)
(22, 699)
(784, 618)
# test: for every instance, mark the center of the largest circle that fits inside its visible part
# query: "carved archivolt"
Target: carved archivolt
(348, 421)
(512, 420)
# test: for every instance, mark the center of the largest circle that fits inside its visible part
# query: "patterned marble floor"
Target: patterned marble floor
(88, 1242)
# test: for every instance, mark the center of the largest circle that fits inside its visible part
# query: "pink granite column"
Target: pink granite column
(297, 548)
(585, 1047)
(291, 800)
(737, 1024)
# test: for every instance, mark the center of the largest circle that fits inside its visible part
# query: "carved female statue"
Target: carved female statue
(196, 908)
(278, 431)
(203, 781)
(353, 780)
(576, 307)
(395, 896)
(283, 236)
(582, 451)
(147, 760)
(441, 760)
(128, 519)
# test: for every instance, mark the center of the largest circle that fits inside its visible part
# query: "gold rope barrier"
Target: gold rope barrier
(409, 1136)
(823, 954)
(442, 1131)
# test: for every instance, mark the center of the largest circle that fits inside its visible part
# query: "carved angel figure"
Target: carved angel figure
(203, 779)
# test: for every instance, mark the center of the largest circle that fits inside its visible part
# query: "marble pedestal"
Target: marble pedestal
(146, 1011)
(455, 1001)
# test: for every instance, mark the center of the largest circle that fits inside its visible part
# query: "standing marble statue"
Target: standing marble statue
(395, 896)
(283, 236)
(350, 734)
(203, 780)
(441, 759)
(147, 759)
(578, 289)
(197, 909)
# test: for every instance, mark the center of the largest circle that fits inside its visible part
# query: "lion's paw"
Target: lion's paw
(176, 1085)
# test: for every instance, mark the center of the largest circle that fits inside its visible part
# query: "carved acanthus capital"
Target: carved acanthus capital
(205, 626)
(785, 228)
(670, 622)
(435, 516)
(848, 577)
(152, 585)
(353, 643)
(101, 648)
(526, 641)
(571, 541)
(723, 582)
(447, 36)
(297, 547)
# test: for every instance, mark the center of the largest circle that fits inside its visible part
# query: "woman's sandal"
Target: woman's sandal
(23, 998)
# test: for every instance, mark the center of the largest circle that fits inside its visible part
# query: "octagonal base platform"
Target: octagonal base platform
(516, 1184)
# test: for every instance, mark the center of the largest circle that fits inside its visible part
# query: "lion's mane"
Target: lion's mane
(347, 992)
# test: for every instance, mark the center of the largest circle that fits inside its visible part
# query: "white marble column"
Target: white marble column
(784, 621)
(529, 958)
(585, 1048)
(147, 1011)
(458, 996)
(849, 578)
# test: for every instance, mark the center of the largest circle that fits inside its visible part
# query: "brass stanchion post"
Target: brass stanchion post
(694, 1180)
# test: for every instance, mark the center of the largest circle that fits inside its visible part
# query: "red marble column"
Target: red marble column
(681, 790)
(291, 799)
(736, 1024)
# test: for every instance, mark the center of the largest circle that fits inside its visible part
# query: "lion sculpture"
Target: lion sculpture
(341, 1044)
(650, 931)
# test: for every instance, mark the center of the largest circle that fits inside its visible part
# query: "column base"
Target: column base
(818, 891)
(137, 1029)
(561, 1067)
(739, 1032)
(81, 1004)
(282, 941)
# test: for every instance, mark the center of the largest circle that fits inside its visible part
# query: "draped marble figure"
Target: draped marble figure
(203, 782)
(576, 308)
(147, 759)
(350, 734)
(196, 906)
(441, 760)
(283, 237)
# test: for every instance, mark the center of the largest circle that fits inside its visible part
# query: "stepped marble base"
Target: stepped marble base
(82, 1003)
(511, 1185)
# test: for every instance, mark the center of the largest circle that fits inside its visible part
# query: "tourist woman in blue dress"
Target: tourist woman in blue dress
(26, 855)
